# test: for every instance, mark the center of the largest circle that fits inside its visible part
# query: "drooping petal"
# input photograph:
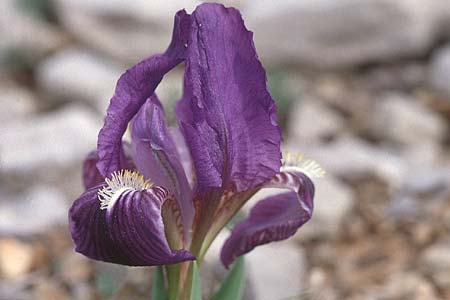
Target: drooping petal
(134, 87)
(129, 232)
(227, 114)
(157, 158)
(273, 218)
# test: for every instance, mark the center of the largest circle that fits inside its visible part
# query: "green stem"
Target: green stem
(173, 279)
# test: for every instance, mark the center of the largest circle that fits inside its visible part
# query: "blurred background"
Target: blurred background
(362, 86)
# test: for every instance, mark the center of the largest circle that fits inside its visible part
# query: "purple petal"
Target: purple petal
(91, 174)
(156, 155)
(134, 87)
(130, 232)
(185, 156)
(227, 114)
(274, 218)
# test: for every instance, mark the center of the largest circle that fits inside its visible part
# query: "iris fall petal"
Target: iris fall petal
(274, 218)
(129, 232)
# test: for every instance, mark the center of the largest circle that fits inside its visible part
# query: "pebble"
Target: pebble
(17, 103)
(313, 122)
(277, 270)
(355, 32)
(16, 258)
(435, 262)
(33, 211)
(402, 119)
(439, 70)
(333, 202)
(48, 143)
(77, 74)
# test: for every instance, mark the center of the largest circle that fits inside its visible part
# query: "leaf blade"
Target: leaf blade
(232, 287)
(196, 290)
(159, 291)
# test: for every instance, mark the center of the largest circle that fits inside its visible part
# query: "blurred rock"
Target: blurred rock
(277, 270)
(25, 33)
(402, 285)
(313, 122)
(33, 211)
(78, 75)
(213, 272)
(404, 120)
(17, 103)
(408, 286)
(126, 30)
(333, 202)
(75, 268)
(16, 258)
(435, 262)
(49, 289)
(350, 157)
(355, 31)
(429, 181)
(439, 73)
(48, 143)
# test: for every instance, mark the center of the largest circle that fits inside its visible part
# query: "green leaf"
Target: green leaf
(158, 288)
(232, 288)
(196, 290)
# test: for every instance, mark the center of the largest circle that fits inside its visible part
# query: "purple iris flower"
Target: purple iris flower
(162, 198)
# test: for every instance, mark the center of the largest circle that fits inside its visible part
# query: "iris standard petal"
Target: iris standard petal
(227, 114)
(130, 231)
(274, 218)
(156, 155)
(134, 87)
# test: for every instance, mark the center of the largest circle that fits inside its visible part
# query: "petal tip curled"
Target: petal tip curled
(129, 232)
(274, 218)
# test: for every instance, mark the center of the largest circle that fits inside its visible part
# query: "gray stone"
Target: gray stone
(33, 211)
(49, 143)
(277, 270)
(439, 72)
(402, 119)
(78, 75)
(17, 104)
(333, 202)
(23, 32)
(336, 33)
(128, 30)
(350, 157)
(313, 122)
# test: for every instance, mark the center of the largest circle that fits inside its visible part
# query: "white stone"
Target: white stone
(332, 203)
(277, 270)
(351, 157)
(404, 120)
(77, 74)
(341, 33)
(439, 72)
(20, 30)
(17, 103)
(47, 143)
(128, 30)
(33, 211)
(436, 263)
(312, 122)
